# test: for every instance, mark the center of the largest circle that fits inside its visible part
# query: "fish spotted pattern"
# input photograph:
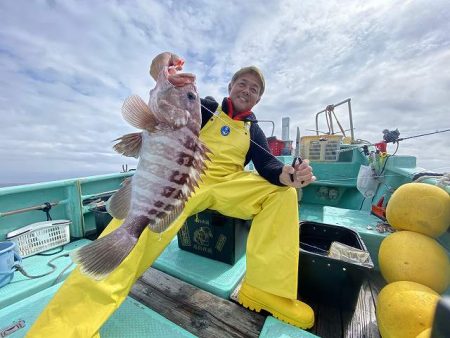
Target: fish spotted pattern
(171, 160)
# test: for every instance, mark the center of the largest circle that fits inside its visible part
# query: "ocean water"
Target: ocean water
(5, 184)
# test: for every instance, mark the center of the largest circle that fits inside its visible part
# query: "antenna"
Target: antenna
(285, 128)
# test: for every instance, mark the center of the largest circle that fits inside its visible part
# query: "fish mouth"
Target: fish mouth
(181, 79)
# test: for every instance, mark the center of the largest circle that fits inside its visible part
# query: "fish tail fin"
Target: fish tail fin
(99, 258)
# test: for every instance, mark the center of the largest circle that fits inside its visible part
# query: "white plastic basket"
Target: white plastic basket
(41, 236)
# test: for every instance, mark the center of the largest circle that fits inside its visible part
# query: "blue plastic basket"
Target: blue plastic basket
(8, 258)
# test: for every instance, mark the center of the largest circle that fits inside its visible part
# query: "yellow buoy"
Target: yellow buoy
(419, 207)
(410, 256)
(405, 309)
(424, 334)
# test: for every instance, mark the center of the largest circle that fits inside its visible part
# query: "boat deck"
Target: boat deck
(206, 315)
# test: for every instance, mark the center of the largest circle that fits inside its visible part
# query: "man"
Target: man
(230, 130)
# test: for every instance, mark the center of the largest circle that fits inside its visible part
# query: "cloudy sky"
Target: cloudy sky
(67, 66)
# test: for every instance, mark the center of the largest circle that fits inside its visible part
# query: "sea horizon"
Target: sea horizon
(7, 184)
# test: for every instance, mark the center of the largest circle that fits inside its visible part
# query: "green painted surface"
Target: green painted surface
(332, 199)
(273, 328)
(132, 319)
(216, 277)
(22, 287)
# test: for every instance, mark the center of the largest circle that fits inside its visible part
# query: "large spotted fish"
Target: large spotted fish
(171, 160)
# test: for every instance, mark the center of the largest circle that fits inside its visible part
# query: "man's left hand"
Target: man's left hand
(303, 175)
(165, 59)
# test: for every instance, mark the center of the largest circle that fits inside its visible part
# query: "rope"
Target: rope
(424, 175)
(339, 124)
(331, 180)
(328, 119)
(444, 181)
(53, 267)
(47, 209)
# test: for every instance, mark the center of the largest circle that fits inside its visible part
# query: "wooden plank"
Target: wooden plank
(195, 310)
(333, 321)
(206, 315)
(327, 320)
(361, 322)
(376, 282)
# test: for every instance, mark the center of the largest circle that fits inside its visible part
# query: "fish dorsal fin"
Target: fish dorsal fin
(119, 203)
(129, 144)
(137, 113)
(165, 222)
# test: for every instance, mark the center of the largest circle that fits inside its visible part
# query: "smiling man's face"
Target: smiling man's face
(245, 92)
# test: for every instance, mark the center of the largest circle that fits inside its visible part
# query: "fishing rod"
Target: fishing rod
(435, 132)
(389, 136)
(392, 136)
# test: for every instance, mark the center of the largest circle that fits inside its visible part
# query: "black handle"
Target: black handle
(299, 160)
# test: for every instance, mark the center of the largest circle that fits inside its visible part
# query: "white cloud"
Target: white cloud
(66, 68)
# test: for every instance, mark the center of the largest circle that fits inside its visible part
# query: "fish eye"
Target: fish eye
(191, 96)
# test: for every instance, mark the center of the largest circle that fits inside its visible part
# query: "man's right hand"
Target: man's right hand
(302, 173)
(162, 60)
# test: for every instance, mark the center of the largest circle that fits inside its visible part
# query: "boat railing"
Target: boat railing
(330, 115)
(73, 199)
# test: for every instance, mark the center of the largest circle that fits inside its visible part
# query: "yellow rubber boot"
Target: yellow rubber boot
(288, 310)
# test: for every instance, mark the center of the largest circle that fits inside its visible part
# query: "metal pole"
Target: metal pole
(331, 122)
(331, 129)
(352, 133)
(342, 102)
(317, 122)
(19, 211)
(273, 124)
(96, 196)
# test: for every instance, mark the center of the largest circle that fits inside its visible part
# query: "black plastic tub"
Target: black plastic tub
(327, 280)
(102, 218)
(213, 235)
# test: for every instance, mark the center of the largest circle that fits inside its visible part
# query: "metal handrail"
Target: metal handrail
(87, 198)
(36, 207)
(269, 121)
(328, 111)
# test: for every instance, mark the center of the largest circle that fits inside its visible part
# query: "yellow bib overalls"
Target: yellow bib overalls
(82, 305)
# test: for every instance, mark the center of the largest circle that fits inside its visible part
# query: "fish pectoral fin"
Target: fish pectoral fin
(118, 204)
(137, 113)
(166, 221)
(129, 144)
(174, 117)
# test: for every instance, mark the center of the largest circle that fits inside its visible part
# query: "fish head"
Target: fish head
(179, 93)
(186, 98)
